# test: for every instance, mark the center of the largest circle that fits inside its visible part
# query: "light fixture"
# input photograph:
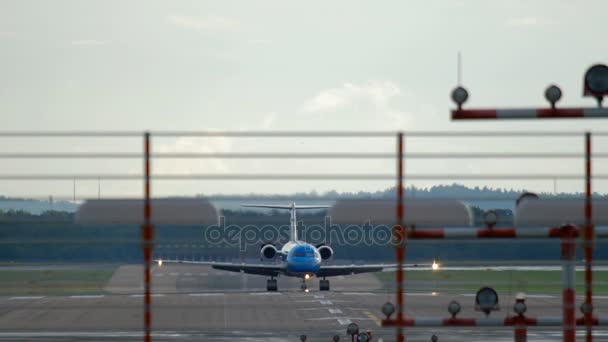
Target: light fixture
(596, 82)
(486, 300)
(519, 307)
(454, 308)
(352, 329)
(553, 94)
(363, 337)
(490, 218)
(460, 95)
(388, 309)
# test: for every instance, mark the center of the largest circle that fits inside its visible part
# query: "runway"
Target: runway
(196, 303)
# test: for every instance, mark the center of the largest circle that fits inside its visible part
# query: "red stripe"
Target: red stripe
(560, 113)
(474, 114)
(460, 322)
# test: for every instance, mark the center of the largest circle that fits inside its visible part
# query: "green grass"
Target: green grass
(545, 282)
(54, 282)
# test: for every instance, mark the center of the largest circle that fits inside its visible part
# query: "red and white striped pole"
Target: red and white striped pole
(147, 242)
(528, 113)
(588, 235)
(399, 236)
(568, 246)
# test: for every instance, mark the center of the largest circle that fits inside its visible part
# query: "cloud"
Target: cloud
(88, 42)
(195, 145)
(375, 93)
(209, 23)
(8, 35)
(523, 21)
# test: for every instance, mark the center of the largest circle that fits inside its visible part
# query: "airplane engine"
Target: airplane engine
(326, 252)
(268, 252)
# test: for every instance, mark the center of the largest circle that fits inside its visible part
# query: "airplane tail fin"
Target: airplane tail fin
(293, 234)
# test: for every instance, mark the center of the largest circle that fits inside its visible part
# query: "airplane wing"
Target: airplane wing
(337, 270)
(259, 269)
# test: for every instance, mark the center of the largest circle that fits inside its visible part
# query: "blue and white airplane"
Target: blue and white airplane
(297, 258)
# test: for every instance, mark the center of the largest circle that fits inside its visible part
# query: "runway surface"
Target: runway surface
(197, 303)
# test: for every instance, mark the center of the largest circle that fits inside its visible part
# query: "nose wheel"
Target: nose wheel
(271, 285)
(323, 285)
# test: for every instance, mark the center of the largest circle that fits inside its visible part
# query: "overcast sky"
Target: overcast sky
(286, 65)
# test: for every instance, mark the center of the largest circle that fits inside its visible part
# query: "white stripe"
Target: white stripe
(548, 321)
(344, 321)
(532, 232)
(26, 297)
(265, 293)
(335, 311)
(516, 113)
(490, 322)
(325, 302)
(428, 322)
(359, 293)
(460, 232)
(205, 294)
(595, 112)
(318, 296)
(87, 296)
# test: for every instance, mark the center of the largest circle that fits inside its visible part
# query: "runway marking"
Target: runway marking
(188, 274)
(335, 311)
(318, 296)
(265, 293)
(326, 302)
(359, 293)
(26, 297)
(344, 321)
(205, 294)
(158, 274)
(86, 296)
(174, 274)
(373, 318)
(203, 274)
(152, 295)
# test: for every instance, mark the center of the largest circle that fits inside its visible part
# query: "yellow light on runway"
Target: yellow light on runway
(160, 263)
(435, 266)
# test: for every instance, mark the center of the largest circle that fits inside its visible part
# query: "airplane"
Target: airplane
(297, 258)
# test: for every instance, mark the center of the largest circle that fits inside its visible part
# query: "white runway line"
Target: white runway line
(203, 274)
(318, 296)
(326, 302)
(265, 293)
(359, 293)
(174, 274)
(344, 321)
(188, 274)
(335, 311)
(26, 297)
(86, 296)
(209, 294)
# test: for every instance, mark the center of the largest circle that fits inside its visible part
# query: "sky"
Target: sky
(288, 65)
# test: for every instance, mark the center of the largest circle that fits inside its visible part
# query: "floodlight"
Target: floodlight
(586, 308)
(553, 93)
(490, 218)
(519, 307)
(486, 300)
(596, 82)
(388, 309)
(363, 338)
(352, 329)
(454, 308)
(460, 96)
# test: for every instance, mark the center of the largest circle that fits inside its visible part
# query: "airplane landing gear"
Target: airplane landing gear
(271, 285)
(304, 287)
(323, 285)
